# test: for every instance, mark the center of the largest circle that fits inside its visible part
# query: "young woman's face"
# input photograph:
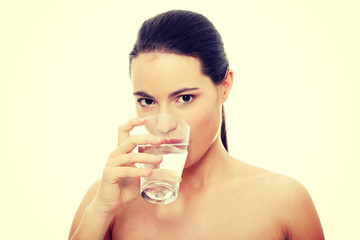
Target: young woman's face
(174, 84)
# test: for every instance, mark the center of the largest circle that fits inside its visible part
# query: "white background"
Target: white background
(65, 88)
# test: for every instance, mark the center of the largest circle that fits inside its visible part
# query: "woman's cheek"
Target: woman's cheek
(204, 127)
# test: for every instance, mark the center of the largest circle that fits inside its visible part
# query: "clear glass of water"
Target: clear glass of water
(162, 186)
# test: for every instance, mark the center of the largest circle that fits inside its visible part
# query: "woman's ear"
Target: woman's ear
(227, 85)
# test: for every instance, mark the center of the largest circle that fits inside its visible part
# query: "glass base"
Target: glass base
(157, 192)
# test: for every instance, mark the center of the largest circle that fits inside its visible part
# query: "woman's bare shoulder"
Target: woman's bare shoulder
(283, 191)
(265, 178)
(294, 206)
(87, 199)
(288, 198)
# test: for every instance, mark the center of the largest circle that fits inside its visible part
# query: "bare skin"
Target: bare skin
(220, 197)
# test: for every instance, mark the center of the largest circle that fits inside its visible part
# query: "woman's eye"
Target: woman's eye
(145, 101)
(185, 98)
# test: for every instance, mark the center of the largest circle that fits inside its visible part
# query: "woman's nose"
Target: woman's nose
(166, 124)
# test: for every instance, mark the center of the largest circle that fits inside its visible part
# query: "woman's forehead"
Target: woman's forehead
(167, 71)
(165, 64)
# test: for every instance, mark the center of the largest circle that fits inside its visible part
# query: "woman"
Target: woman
(178, 66)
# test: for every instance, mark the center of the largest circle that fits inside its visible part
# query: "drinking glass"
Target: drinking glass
(163, 185)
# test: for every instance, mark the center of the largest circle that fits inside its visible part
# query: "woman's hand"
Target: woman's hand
(120, 183)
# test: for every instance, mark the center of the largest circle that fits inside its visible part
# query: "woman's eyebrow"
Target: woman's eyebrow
(181, 91)
(143, 94)
(146, 95)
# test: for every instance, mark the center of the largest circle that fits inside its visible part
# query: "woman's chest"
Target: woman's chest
(214, 217)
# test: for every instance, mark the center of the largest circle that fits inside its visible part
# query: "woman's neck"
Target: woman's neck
(214, 165)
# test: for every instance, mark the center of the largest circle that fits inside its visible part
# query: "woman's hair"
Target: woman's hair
(190, 34)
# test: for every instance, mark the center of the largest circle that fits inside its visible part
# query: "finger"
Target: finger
(131, 142)
(132, 158)
(123, 130)
(115, 174)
